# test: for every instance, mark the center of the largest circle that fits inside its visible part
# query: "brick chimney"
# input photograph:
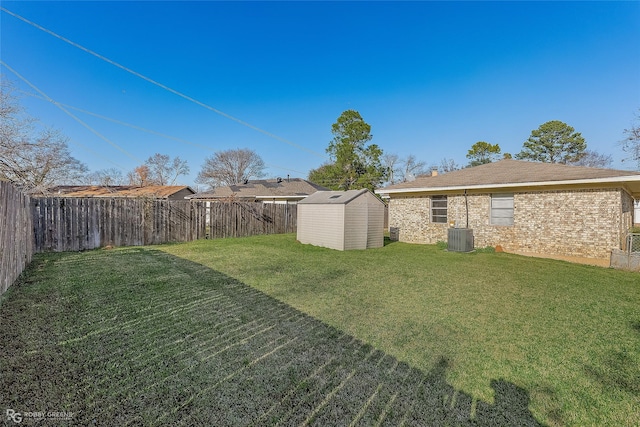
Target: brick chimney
(434, 172)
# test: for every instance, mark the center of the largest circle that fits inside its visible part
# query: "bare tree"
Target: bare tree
(106, 177)
(448, 165)
(631, 142)
(391, 162)
(594, 159)
(32, 157)
(413, 168)
(139, 176)
(165, 171)
(158, 169)
(231, 167)
(403, 170)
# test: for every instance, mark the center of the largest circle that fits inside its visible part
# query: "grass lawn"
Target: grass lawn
(567, 334)
(266, 331)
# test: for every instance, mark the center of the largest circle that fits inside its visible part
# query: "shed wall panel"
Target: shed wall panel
(375, 225)
(321, 225)
(355, 224)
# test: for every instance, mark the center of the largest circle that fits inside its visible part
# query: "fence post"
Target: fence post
(16, 234)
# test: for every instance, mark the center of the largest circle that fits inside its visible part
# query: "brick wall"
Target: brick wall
(628, 216)
(585, 223)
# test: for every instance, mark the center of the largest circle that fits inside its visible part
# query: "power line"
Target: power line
(69, 113)
(119, 122)
(149, 80)
(283, 168)
(96, 154)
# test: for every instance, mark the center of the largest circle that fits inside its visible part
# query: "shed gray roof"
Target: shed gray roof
(334, 197)
(513, 173)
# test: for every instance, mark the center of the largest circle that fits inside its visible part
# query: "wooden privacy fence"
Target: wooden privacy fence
(29, 225)
(16, 234)
(241, 219)
(73, 224)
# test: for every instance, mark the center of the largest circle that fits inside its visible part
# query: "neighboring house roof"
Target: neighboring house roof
(155, 191)
(335, 197)
(291, 188)
(517, 173)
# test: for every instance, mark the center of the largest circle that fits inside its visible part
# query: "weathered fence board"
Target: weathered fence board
(73, 224)
(16, 234)
(237, 219)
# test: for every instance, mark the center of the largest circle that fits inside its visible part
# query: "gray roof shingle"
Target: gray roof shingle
(509, 172)
(262, 188)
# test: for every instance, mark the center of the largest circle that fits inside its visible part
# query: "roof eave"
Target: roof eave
(622, 180)
(282, 197)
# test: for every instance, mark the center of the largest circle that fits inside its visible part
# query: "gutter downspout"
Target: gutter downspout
(466, 206)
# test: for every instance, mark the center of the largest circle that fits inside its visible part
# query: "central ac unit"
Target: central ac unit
(460, 240)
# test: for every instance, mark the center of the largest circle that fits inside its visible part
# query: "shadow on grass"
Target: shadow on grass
(388, 241)
(620, 369)
(166, 341)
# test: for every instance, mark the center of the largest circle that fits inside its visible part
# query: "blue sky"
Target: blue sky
(431, 78)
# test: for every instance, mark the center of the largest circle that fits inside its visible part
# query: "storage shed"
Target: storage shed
(342, 220)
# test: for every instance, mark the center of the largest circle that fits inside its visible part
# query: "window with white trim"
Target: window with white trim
(501, 209)
(439, 209)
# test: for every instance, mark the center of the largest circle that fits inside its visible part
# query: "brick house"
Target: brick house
(525, 207)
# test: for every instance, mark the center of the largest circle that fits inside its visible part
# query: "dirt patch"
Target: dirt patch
(600, 262)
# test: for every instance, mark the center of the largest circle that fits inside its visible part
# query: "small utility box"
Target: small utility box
(460, 240)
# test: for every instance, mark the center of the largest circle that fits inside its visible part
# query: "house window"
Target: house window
(501, 209)
(439, 209)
